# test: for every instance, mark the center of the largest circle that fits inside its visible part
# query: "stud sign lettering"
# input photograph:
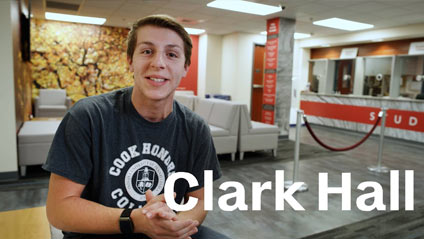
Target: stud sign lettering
(270, 80)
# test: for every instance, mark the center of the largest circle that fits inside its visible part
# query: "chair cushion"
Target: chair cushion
(216, 131)
(261, 128)
(186, 100)
(38, 131)
(204, 108)
(223, 114)
(52, 107)
(52, 97)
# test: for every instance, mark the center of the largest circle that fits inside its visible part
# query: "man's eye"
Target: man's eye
(171, 54)
(147, 52)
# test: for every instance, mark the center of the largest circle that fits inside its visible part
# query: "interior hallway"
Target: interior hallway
(260, 167)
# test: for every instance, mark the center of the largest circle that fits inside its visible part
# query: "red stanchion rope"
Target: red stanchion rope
(339, 149)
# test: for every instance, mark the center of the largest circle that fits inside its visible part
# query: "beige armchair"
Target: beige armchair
(223, 119)
(255, 136)
(51, 103)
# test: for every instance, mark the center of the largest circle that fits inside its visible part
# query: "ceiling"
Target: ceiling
(195, 13)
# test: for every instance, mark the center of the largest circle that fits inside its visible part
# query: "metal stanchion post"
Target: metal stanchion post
(379, 168)
(287, 184)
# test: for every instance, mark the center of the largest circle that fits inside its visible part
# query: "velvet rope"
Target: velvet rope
(339, 149)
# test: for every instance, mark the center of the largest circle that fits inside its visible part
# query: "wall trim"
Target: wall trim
(9, 176)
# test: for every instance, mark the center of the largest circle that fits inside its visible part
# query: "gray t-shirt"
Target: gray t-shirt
(104, 143)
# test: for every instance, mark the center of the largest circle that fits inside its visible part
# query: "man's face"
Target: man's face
(158, 62)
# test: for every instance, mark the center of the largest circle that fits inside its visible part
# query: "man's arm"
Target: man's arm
(66, 210)
(197, 213)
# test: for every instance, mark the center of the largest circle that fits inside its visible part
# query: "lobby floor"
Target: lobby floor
(30, 193)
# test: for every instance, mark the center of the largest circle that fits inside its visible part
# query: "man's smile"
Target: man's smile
(157, 79)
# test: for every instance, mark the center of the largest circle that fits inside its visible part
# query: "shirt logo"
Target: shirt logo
(145, 179)
(142, 176)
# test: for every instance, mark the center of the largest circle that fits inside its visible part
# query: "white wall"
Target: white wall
(210, 56)
(237, 65)
(229, 66)
(201, 73)
(8, 157)
(300, 72)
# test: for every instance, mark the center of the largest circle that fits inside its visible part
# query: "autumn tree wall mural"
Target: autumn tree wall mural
(84, 59)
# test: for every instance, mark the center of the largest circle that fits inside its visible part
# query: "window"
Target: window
(377, 76)
(412, 76)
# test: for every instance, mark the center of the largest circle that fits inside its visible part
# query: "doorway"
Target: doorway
(344, 77)
(257, 82)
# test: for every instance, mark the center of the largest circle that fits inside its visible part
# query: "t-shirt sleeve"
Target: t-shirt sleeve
(69, 154)
(205, 156)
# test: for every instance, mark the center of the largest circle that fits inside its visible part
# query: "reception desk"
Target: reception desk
(405, 117)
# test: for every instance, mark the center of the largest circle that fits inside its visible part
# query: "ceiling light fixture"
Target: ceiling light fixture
(245, 7)
(298, 35)
(264, 33)
(74, 18)
(325, 45)
(343, 24)
(194, 31)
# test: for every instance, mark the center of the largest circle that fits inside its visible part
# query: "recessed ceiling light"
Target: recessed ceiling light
(244, 6)
(343, 24)
(74, 18)
(325, 45)
(194, 31)
(264, 33)
(298, 35)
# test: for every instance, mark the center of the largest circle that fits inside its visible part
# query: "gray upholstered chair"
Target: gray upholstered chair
(187, 100)
(51, 103)
(255, 136)
(34, 141)
(223, 119)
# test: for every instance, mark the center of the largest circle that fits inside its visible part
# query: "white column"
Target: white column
(8, 158)
(395, 79)
(202, 63)
(358, 84)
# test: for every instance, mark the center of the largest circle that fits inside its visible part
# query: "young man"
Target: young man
(112, 153)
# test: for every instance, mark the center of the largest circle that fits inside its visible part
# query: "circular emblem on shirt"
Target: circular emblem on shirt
(142, 176)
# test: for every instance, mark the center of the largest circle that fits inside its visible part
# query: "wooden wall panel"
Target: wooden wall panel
(398, 47)
(22, 70)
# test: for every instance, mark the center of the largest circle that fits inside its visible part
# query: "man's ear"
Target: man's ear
(129, 60)
(185, 70)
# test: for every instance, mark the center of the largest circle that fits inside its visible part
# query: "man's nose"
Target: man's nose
(158, 60)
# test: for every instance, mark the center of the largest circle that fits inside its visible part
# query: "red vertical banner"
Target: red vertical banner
(271, 60)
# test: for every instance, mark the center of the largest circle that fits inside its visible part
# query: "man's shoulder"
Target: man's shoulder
(100, 103)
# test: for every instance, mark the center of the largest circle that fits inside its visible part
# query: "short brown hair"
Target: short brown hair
(163, 21)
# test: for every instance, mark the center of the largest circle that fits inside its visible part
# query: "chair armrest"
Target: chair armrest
(68, 102)
(36, 105)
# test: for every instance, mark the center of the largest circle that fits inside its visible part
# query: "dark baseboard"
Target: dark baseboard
(9, 176)
(283, 136)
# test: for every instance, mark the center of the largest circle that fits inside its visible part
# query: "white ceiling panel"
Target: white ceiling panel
(381, 13)
(113, 4)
